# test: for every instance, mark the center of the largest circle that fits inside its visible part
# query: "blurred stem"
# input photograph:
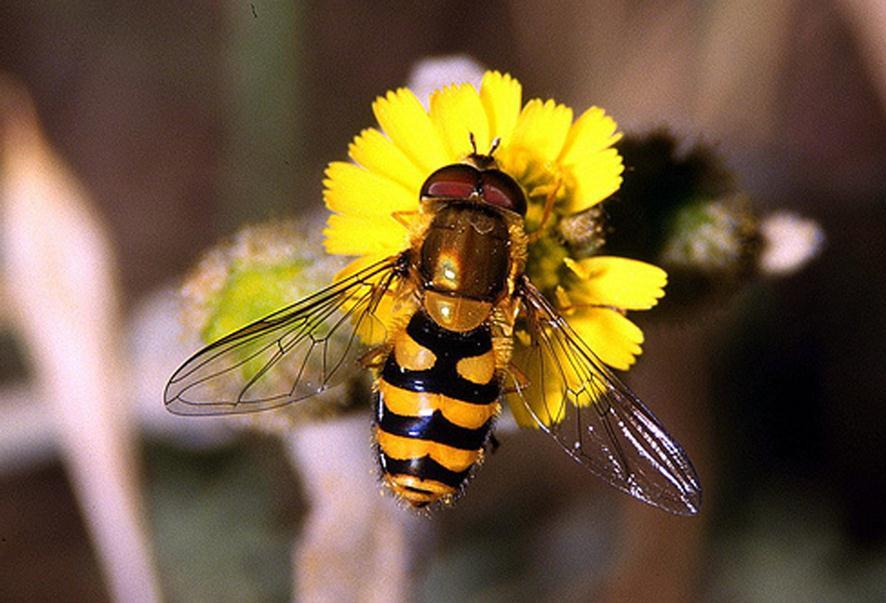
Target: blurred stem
(27, 435)
(868, 18)
(356, 544)
(59, 269)
(261, 155)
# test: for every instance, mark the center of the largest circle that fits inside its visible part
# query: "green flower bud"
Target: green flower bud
(263, 268)
(716, 238)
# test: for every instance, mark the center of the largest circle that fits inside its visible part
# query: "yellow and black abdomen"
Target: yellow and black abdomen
(438, 397)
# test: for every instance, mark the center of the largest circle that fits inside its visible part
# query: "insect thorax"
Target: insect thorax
(464, 263)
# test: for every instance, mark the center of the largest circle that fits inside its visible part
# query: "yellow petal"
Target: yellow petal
(364, 235)
(457, 112)
(518, 409)
(614, 338)
(591, 133)
(594, 179)
(617, 282)
(353, 190)
(373, 330)
(402, 117)
(545, 394)
(542, 128)
(562, 297)
(502, 97)
(547, 405)
(357, 265)
(543, 383)
(377, 153)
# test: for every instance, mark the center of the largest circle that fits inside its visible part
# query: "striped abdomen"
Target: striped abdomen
(438, 396)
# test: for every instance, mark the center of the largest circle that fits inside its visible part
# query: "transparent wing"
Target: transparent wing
(290, 355)
(597, 420)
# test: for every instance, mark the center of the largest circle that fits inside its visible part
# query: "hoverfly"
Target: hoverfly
(443, 366)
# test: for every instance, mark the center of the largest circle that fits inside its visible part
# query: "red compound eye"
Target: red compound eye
(502, 191)
(457, 181)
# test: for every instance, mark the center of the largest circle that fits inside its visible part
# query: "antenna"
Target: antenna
(495, 144)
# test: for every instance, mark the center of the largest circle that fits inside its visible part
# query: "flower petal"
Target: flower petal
(518, 410)
(591, 133)
(371, 332)
(377, 153)
(614, 338)
(542, 127)
(617, 282)
(353, 190)
(364, 235)
(357, 265)
(405, 121)
(457, 112)
(593, 179)
(501, 96)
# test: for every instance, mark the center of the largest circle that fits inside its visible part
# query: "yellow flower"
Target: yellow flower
(548, 153)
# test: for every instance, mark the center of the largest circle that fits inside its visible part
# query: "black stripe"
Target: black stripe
(437, 381)
(428, 333)
(423, 468)
(435, 428)
(449, 347)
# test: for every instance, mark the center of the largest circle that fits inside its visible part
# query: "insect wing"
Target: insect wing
(290, 355)
(569, 393)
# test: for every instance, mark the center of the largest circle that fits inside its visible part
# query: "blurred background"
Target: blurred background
(175, 123)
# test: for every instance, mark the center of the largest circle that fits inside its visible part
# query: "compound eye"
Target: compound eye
(457, 181)
(502, 191)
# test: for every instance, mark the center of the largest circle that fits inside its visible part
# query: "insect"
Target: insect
(443, 365)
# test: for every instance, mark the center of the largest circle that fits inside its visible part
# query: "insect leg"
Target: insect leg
(521, 380)
(549, 208)
(404, 217)
(375, 358)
